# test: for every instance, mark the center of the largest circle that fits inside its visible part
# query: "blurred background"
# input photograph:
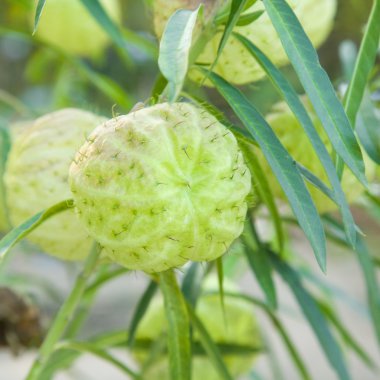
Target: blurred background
(37, 77)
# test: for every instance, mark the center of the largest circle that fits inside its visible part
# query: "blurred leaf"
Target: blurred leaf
(364, 64)
(259, 263)
(282, 165)
(317, 85)
(286, 90)
(192, 282)
(39, 9)
(345, 334)
(249, 18)
(178, 327)
(209, 346)
(90, 349)
(5, 145)
(368, 128)
(18, 233)
(297, 360)
(175, 47)
(102, 18)
(219, 267)
(314, 316)
(140, 310)
(369, 273)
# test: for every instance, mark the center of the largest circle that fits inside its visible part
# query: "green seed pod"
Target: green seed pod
(237, 326)
(36, 178)
(68, 25)
(236, 64)
(161, 186)
(295, 140)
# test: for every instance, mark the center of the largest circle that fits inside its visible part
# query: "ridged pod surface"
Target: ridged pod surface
(236, 64)
(237, 326)
(68, 25)
(292, 136)
(161, 186)
(37, 177)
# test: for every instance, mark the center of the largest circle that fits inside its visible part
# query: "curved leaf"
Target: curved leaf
(317, 84)
(282, 165)
(39, 9)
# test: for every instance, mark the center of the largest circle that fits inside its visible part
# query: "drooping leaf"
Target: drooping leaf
(178, 327)
(315, 317)
(259, 262)
(103, 19)
(263, 189)
(18, 233)
(317, 84)
(282, 165)
(290, 96)
(175, 47)
(209, 346)
(140, 310)
(192, 281)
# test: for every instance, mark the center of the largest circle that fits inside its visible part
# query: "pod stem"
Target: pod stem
(64, 314)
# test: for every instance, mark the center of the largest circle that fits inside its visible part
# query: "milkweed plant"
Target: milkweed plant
(176, 178)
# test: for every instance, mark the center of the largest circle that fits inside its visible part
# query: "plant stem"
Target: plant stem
(63, 316)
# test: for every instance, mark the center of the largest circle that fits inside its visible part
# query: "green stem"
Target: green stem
(64, 314)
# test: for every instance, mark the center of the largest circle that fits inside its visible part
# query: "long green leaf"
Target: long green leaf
(369, 275)
(290, 96)
(315, 317)
(294, 355)
(364, 64)
(88, 348)
(209, 346)
(39, 9)
(18, 233)
(282, 165)
(345, 334)
(260, 264)
(263, 189)
(100, 15)
(192, 281)
(175, 47)
(179, 345)
(140, 310)
(317, 84)
(5, 144)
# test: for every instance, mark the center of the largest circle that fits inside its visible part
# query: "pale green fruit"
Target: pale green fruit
(14, 130)
(237, 326)
(236, 64)
(68, 25)
(161, 186)
(295, 140)
(37, 177)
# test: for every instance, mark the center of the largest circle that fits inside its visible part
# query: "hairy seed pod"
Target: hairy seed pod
(68, 25)
(292, 136)
(160, 186)
(36, 178)
(236, 64)
(236, 325)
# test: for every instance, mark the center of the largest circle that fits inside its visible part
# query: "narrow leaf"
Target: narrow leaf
(282, 165)
(140, 310)
(100, 15)
(175, 47)
(263, 189)
(259, 262)
(178, 327)
(5, 145)
(192, 281)
(39, 9)
(317, 84)
(209, 346)
(18, 233)
(314, 316)
(286, 90)
(249, 18)
(364, 64)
